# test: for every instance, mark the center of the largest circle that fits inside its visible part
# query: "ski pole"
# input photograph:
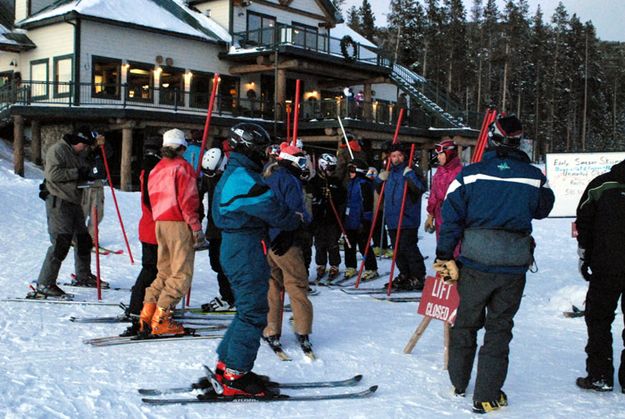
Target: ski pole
(400, 117)
(298, 84)
(338, 220)
(96, 239)
(401, 218)
(288, 122)
(349, 147)
(119, 215)
(482, 139)
(207, 123)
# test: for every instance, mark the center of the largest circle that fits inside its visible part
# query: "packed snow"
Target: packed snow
(47, 371)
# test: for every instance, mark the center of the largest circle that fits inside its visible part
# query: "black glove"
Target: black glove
(84, 173)
(583, 265)
(282, 243)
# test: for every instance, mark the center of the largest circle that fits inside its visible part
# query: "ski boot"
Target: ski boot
(333, 274)
(164, 324)
(217, 304)
(418, 284)
(485, 407)
(145, 318)
(304, 343)
(133, 329)
(402, 282)
(246, 384)
(459, 393)
(369, 275)
(596, 384)
(47, 291)
(321, 272)
(377, 251)
(89, 281)
(349, 273)
(387, 253)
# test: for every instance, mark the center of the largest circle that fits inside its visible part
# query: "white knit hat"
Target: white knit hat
(174, 138)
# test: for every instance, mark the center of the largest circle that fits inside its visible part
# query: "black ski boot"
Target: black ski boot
(133, 329)
(596, 384)
(48, 291)
(489, 406)
(89, 281)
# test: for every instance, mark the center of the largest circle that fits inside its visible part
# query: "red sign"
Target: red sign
(439, 300)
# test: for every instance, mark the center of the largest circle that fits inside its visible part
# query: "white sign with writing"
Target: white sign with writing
(569, 174)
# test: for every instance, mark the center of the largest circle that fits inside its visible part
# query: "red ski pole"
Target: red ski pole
(296, 111)
(400, 117)
(288, 122)
(401, 217)
(482, 139)
(96, 239)
(207, 123)
(119, 215)
(338, 220)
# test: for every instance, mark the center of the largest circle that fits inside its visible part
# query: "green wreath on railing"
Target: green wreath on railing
(348, 42)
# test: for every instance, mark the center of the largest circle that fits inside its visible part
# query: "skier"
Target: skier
(409, 258)
(147, 237)
(63, 172)
(490, 205)
(213, 165)
(288, 270)
(326, 230)
(175, 200)
(344, 158)
(358, 213)
(449, 165)
(601, 233)
(244, 207)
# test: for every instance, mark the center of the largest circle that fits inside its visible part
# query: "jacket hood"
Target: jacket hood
(619, 170)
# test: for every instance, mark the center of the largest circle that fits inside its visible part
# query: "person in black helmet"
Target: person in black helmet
(490, 206)
(244, 207)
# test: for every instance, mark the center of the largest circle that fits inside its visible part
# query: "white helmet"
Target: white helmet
(214, 161)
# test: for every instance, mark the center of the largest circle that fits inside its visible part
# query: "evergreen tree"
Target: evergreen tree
(338, 4)
(535, 125)
(367, 21)
(353, 18)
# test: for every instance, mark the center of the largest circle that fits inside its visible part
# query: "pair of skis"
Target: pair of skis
(203, 332)
(277, 348)
(213, 392)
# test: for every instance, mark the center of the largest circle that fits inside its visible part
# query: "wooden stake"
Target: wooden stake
(417, 334)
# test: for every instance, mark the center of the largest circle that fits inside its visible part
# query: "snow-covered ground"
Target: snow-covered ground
(46, 370)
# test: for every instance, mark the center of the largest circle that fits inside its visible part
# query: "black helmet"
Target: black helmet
(505, 131)
(327, 164)
(250, 140)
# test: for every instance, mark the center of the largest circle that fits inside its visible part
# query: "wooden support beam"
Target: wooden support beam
(263, 68)
(35, 146)
(280, 94)
(126, 169)
(18, 145)
(367, 109)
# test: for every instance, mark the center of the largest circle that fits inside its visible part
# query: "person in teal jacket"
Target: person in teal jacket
(244, 207)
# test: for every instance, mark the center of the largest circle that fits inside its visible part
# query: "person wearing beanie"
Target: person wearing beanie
(174, 199)
(490, 206)
(345, 158)
(64, 170)
(449, 165)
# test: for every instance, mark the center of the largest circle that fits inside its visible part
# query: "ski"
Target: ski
(199, 310)
(204, 383)
(122, 318)
(106, 251)
(69, 284)
(381, 290)
(276, 347)
(191, 333)
(398, 299)
(50, 300)
(343, 282)
(214, 398)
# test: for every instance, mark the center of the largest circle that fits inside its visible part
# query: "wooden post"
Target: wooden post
(368, 105)
(125, 170)
(35, 128)
(280, 94)
(446, 328)
(18, 145)
(417, 334)
(425, 160)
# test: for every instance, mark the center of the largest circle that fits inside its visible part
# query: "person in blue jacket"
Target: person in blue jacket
(358, 214)
(409, 258)
(490, 206)
(243, 208)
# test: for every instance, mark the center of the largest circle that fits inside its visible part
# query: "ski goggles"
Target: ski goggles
(300, 161)
(440, 148)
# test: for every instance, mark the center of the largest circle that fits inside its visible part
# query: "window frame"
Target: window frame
(261, 32)
(55, 89)
(98, 59)
(46, 81)
(307, 35)
(142, 66)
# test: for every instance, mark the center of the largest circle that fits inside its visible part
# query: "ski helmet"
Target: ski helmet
(250, 140)
(448, 147)
(327, 164)
(293, 159)
(358, 166)
(214, 161)
(273, 151)
(505, 131)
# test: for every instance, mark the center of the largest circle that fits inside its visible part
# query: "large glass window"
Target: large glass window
(260, 29)
(62, 73)
(228, 93)
(39, 79)
(140, 81)
(305, 36)
(106, 77)
(172, 86)
(200, 89)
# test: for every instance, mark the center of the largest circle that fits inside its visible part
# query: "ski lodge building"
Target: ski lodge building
(134, 68)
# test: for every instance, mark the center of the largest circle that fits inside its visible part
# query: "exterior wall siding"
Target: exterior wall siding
(219, 11)
(52, 41)
(282, 16)
(21, 10)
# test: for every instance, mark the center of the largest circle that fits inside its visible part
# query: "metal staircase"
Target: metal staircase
(416, 87)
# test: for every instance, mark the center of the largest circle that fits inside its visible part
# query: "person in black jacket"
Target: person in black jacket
(601, 234)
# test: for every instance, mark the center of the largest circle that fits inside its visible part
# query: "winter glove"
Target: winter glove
(199, 240)
(429, 224)
(383, 175)
(100, 140)
(447, 269)
(282, 243)
(372, 172)
(583, 265)
(407, 170)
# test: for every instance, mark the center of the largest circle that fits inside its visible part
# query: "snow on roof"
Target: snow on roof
(167, 15)
(3, 39)
(341, 29)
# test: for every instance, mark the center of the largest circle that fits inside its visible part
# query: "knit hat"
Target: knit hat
(174, 138)
(289, 149)
(81, 135)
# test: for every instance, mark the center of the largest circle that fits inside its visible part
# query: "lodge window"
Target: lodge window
(171, 86)
(106, 78)
(62, 70)
(260, 28)
(39, 79)
(140, 81)
(228, 93)
(305, 36)
(199, 89)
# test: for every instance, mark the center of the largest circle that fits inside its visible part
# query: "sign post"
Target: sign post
(439, 301)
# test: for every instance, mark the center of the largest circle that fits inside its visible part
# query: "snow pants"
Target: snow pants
(327, 244)
(175, 264)
(409, 258)
(288, 274)
(214, 255)
(65, 220)
(488, 300)
(91, 197)
(359, 238)
(244, 262)
(602, 300)
(149, 258)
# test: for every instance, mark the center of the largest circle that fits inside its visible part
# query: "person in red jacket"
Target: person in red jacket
(175, 200)
(147, 237)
